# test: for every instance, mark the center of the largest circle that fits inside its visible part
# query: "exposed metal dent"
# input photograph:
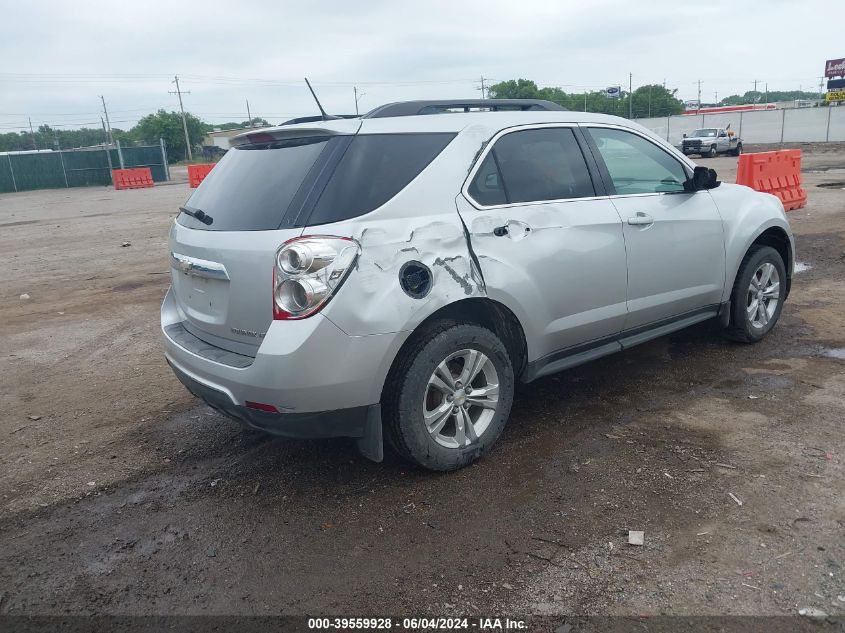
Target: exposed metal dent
(386, 247)
(464, 281)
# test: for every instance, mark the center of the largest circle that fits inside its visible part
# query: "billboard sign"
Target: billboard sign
(835, 95)
(614, 92)
(834, 68)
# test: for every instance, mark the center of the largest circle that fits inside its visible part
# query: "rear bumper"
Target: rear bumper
(321, 380)
(351, 422)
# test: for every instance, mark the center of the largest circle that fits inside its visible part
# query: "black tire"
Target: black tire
(712, 152)
(407, 385)
(738, 150)
(741, 327)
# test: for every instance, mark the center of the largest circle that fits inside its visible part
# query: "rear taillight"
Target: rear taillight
(307, 271)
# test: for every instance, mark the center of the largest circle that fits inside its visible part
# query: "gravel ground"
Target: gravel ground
(121, 494)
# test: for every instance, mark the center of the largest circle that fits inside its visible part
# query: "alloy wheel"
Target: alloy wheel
(763, 295)
(461, 398)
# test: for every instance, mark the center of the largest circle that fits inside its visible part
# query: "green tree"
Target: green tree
(515, 89)
(168, 125)
(234, 125)
(761, 97)
(649, 100)
(655, 100)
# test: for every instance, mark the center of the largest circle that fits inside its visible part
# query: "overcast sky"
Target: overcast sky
(57, 57)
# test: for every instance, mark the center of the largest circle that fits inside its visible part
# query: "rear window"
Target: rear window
(375, 168)
(251, 188)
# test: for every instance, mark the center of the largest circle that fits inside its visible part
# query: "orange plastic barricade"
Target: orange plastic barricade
(196, 174)
(136, 178)
(778, 173)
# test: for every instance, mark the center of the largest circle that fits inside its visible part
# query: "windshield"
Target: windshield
(707, 132)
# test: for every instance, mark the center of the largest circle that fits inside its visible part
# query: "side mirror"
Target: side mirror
(685, 134)
(702, 178)
(722, 135)
(491, 181)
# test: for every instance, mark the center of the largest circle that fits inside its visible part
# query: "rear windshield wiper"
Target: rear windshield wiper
(198, 214)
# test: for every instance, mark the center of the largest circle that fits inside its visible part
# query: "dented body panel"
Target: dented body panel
(561, 271)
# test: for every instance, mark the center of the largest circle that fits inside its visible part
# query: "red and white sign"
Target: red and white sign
(750, 107)
(834, 68)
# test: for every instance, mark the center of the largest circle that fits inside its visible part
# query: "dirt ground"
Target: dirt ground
(121, 494)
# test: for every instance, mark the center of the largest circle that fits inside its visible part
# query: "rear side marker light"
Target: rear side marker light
(260, 406)
(307, 272)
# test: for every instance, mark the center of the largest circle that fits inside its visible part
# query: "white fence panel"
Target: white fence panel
(798, 125)
(837, 124)
(805, 125)
(658, 125)
(761, 127)
(680, 125)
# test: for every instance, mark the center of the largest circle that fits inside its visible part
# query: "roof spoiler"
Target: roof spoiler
(335, 127)
(414, 108)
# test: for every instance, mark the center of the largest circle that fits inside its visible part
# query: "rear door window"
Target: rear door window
(486, 187)
(375, 168)
(251, 188)
(533, 166)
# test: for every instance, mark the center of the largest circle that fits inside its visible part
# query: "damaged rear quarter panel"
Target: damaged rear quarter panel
(421, 224)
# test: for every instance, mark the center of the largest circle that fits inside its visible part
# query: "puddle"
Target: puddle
(800, 267)
(835, 352)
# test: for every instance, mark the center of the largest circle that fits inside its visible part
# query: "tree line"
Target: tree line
(757, 96)
(646, 101)
(158, 125)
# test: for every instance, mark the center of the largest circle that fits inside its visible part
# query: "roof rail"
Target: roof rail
(413, 108)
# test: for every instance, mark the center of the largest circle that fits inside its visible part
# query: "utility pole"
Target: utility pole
(106, 146)
(248, 114)
(767, 93)
(357, 97)
(108, 124)
(755, 86)
(630, 95)
(32, 135)
(483, 88)
(585, 101)
(699, 94)
(182, 108)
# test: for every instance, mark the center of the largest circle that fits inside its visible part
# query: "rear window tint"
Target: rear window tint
(375, 168)
(251, 188)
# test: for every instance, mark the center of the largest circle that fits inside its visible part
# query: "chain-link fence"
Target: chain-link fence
(77, 168)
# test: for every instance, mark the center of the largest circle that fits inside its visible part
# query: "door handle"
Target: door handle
(641, 219)
(513, 229)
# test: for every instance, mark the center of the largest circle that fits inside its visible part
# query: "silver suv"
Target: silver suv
(397, 273)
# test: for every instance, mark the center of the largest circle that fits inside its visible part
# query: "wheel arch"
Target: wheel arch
(481, 311)
(778, 239)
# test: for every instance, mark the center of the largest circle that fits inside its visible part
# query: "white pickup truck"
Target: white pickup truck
(710, 141)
